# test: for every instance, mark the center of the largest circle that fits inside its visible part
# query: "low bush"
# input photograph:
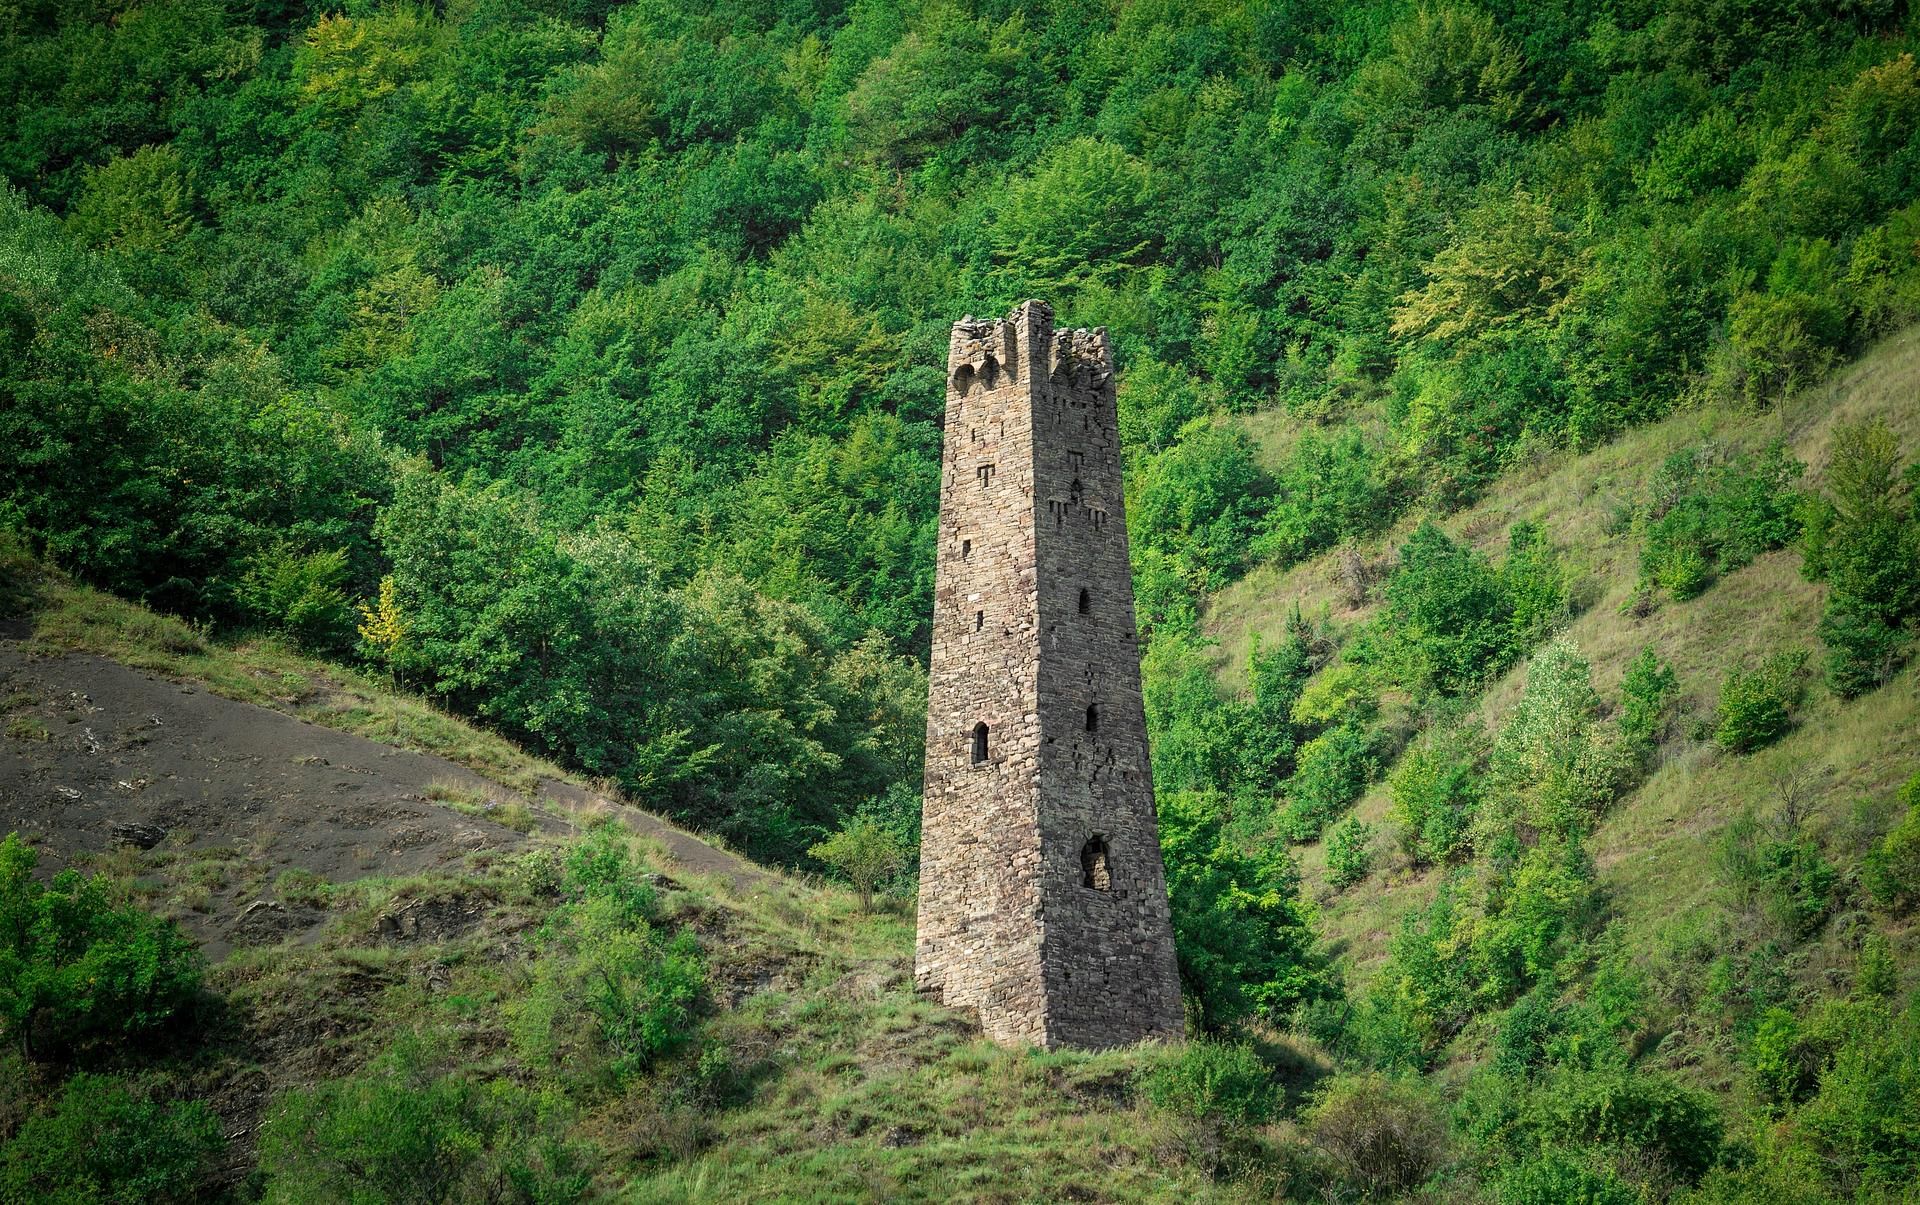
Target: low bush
(1645, 696)
(1380, 1133)
(1218, 1080)
(1349, 852)
(1436, 791)
(1654, 1114)
(1332, 771)
(1864, 540)
(1891, 870)
(865, 854)
(609, 993)
(1704, 518)
(1756, 705)
(406, 1132)
(74, 965)
(107, 1140)
(1561, 1177)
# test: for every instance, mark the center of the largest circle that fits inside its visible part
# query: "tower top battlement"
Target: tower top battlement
(995, 351)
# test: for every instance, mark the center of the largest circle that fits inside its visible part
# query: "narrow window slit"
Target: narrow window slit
(1094, 869)
(979, 743)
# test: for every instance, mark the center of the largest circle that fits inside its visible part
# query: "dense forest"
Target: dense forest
(579, 365)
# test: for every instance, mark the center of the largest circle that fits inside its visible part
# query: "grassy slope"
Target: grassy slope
(1654, 849)
(846, 1083)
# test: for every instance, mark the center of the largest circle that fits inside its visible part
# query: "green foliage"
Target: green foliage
(1552, 766)
(1240, 929)
(1705, 516)
(611, 991)
(76, 965)
(1876, 976)
(1199, 502)
(1854, 1134)
(1865, 541)
(1332, 770)
(601, 866)
(1557, 1176)
(406, 1130)
(1380, 1133)
(302, 593)
(1655, 1114)
(1436, 791)
(1331, 487)
(1349, 852)
(1448, 613)
(108, 1140)
(1451, 621)
(1756, 704)
(1780, 866)
(1221, 1080)
(1646, 693)
(865, 853)
(1891, 869)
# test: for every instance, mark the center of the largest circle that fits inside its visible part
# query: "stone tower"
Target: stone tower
(1043, 897)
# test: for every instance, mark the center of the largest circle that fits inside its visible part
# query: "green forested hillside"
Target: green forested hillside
(578, 365)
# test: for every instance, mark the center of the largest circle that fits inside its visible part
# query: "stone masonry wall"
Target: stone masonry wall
(1042, 892)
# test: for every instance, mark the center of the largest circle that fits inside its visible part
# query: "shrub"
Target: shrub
(110, 1141)
(1891, 872)
(1447, 618)
(601, 865)
(402, 1131)
(1200, 502)
(865, 853)
(1645, 693)
(1702, 518)
(1224, 1081)
(1436, 791)
(1778, 1057)
(75, 965)
(1862, 1128)
(1329, 489)
(1561, 1177)
(1876, 975)
(1240, 931)
(1349, 855)
(608, 990)
(1756, 704)
(1553, 765)
(1536, 586)
(301, 593)
(1865, 541)
(1379, 1132)
(1634, 1110)
(1333, 769)
(1799, 883)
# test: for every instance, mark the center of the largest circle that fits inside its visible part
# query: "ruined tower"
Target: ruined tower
(1043, 897)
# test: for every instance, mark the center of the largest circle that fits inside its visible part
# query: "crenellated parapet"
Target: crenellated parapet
(990, 353)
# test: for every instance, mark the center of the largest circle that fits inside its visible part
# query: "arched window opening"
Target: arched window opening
(1093, 717)
(1094, 869)
(966, 549)
(1086, 601)
(979, 743)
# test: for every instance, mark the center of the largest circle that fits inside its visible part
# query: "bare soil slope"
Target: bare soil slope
(99, 756)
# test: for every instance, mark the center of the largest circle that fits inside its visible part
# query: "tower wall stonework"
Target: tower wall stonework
(1043, 900)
